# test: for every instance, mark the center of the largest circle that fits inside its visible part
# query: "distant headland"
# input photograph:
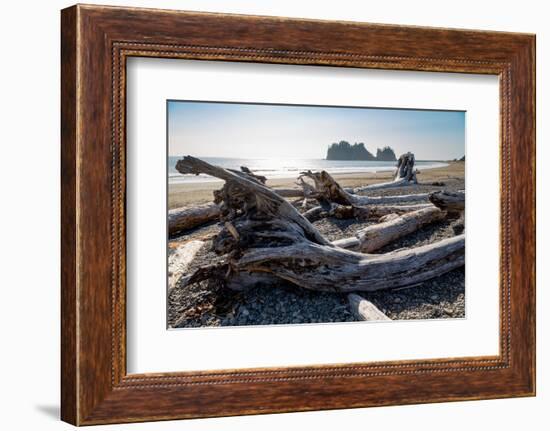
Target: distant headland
(343, 150)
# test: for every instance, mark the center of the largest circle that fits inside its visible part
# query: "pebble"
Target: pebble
(289, 304)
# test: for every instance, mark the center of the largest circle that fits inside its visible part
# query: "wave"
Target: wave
(282, 169)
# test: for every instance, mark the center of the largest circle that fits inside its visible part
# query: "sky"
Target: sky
(239, 130)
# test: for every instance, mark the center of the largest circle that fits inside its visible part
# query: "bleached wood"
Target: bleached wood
(323, 268)
(378, 235)
(257, 195)
(274, 239)
(365, 310)
(327, 189)
(180, 259)
(405, 175)
(452, 202)
(388, 217)
(360, 212)
(180, 219)
(289, 192)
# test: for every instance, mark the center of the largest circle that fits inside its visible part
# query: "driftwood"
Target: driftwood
(180, 219)
(365, 310)
(452, 202)
(376, 236)
(190, 217)
(327, 189)
(274, 239)
(384, 200)
(405, 175)
(290, 193)
(179, 260)
(337, 202)
(360, 212)
(185, 218)
(330, 268)
(251, 174)
(388, 217)
(363, 200)
(242, 198)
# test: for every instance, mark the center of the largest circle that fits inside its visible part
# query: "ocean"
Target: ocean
(288, 168)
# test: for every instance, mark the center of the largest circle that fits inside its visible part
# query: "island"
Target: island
(343, 150)
(385, 154)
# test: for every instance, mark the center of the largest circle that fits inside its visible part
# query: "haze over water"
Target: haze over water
(287, 168)
(280, 141)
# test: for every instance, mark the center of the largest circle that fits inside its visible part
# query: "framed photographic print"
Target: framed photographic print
(261, 216)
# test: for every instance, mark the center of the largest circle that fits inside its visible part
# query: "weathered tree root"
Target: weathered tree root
(405, 175)
(335, 201)
(323, 268)
(243, 198)
(190, 217)
(264, 234)
(326, 188)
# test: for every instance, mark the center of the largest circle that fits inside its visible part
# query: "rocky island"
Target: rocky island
(343, 150)
(385, 154)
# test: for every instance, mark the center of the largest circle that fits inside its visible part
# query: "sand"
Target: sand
(207, 304)
(180, 195)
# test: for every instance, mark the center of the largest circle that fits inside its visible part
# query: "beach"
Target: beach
(183, 194)
(204, 304)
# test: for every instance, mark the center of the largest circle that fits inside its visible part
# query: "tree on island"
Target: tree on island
(343, 150)
(385, 154)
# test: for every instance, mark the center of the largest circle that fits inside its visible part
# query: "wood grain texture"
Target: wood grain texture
(96, 41)
(69, 396)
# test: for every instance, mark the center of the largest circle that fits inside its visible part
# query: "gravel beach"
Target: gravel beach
(209, 304)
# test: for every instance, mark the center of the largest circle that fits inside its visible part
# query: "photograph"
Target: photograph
(272, 202)
(301, 214)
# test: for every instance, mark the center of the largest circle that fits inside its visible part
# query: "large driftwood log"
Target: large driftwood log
(360, 212)
(264, 234)
(323, 268)
(299, 193)
(376, 236)
(180, 219)
(185, 218)
(248, 172)
(326, 189)
(365, 310)
(452, 202)
(190, 217)
(242, 198)
(290, 192)
(384, 200)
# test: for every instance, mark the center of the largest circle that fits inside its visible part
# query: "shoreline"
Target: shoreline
(210, 305)
(288, 176)
(184, 194)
